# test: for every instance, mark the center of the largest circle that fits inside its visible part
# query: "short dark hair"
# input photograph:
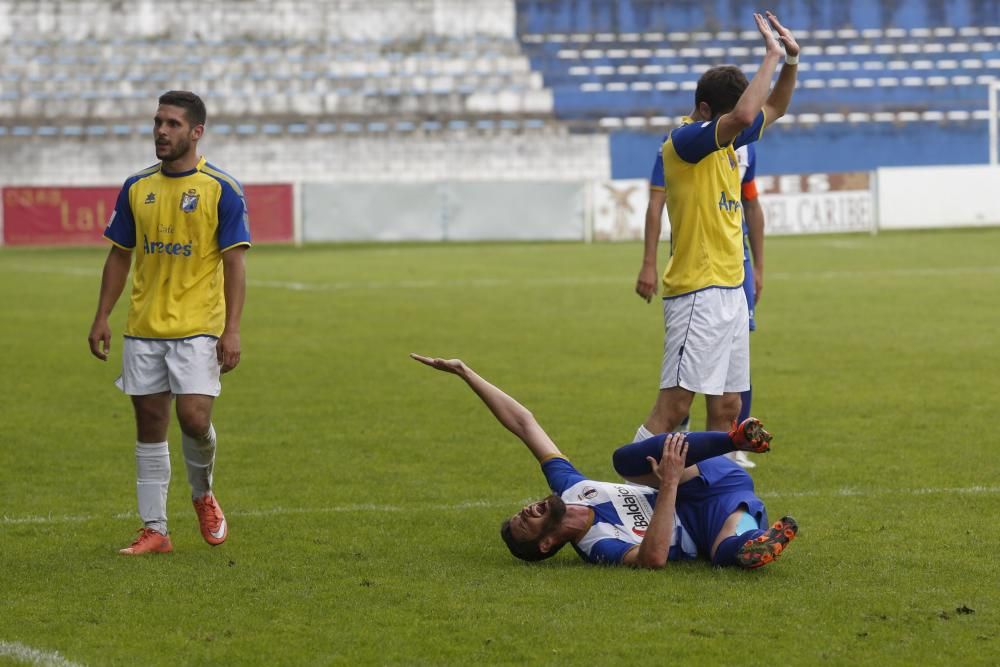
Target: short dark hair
(720, 88)
(525, 549)
(194, 108)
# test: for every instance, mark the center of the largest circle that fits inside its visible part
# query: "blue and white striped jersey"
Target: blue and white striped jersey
(622, 513)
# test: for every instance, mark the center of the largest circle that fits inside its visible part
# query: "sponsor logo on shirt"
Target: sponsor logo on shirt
(632, 508)
(728, 205)
(161, 248)
(189, 201)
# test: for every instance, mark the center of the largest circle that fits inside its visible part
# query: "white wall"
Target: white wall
(535, 155)
(924, 197)
(445, 211)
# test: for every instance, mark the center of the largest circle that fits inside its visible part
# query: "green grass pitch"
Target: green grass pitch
(365, 492)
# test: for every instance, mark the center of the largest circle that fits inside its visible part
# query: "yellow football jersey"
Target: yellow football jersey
(702, 183)
(178, 226)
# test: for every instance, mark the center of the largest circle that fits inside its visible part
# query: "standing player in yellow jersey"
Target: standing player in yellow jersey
(186, 221)
(706, 344)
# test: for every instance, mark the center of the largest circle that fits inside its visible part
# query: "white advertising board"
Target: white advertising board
(796, 204)
(817, 203)
(946, 196)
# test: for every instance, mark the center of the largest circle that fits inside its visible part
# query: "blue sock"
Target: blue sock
(725, 553)
(630, 460)
(745, 399)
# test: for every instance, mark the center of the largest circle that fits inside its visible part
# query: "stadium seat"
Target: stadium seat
(548, 68)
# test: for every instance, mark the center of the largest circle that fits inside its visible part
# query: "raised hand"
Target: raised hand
(763, 25)
(447, 365)
(784, 35)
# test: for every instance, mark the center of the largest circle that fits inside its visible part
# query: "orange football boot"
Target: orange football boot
(213, 523)
(764, 549)
(750, 436)
(148, 542)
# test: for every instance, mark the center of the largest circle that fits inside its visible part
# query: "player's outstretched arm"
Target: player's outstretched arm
(515, 417)
(654, 549)
(113, 279)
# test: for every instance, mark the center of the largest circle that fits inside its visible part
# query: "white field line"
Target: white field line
(299, 286)
(845, 492)
(33, 656)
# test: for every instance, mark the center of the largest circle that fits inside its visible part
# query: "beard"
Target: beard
(174, 152)
(557, 510)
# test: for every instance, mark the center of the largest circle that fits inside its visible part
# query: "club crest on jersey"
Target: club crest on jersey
(189, 201)
(589, 493)
(732, 160)
(150, 198)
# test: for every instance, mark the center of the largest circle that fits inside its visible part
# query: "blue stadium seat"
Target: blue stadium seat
(601, 63)
(843, 147)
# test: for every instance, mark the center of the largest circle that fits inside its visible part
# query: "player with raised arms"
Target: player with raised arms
(753, 271)
(706, 337)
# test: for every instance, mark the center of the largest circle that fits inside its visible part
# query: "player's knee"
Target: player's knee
(194, 422)
(623, 462)
(197, 428)
(632, 460)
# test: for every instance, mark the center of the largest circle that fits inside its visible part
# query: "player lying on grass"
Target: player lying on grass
(683, 500)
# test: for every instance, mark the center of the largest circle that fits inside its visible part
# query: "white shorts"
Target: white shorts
(180, 366)
(706, 345)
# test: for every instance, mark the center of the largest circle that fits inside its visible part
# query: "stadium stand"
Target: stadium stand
(340, 90)
(418, 90)
(882, 83)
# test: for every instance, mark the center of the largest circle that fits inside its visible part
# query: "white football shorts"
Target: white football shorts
(706, 345)
(180, 366)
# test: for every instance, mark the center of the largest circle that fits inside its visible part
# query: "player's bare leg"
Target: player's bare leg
(723, 411)
(152, 416)
(671, 407)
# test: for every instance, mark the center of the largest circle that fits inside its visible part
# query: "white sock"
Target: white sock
(152, 473)
(199, 457)
(642, 434)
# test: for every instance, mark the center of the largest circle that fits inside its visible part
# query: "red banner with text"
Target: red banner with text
(35, 215)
